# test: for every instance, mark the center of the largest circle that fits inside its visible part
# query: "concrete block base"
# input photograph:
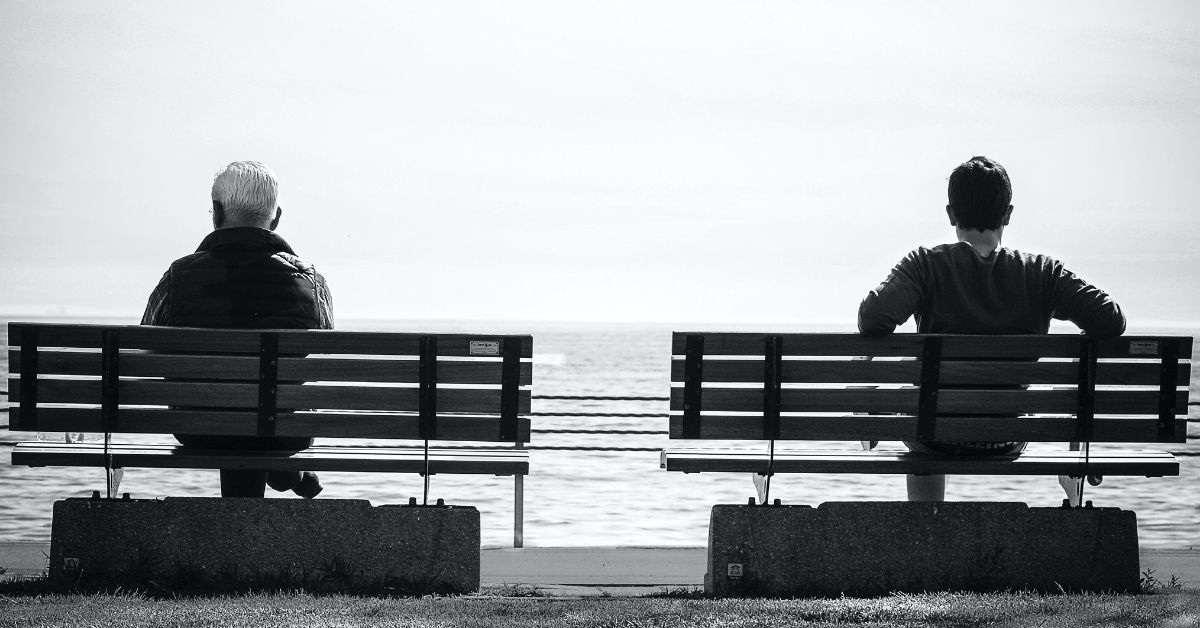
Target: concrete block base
(875, 548)
(228, 544)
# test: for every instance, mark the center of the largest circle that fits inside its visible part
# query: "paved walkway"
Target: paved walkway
(619, 571)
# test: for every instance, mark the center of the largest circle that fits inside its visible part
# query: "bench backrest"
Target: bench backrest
(332, 384)
(926, 387)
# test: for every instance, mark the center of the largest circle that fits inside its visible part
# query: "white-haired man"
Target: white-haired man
(243, 275)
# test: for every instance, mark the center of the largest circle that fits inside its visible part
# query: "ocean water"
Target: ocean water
(610, 498)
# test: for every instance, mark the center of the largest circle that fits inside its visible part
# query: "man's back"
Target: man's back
(951, 288)
(242, 277)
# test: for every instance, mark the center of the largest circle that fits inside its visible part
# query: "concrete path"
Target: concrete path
(619, 571)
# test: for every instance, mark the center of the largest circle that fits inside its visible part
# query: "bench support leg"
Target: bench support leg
(115, 475)
(518, 510)
(1073, 487)
(926, 488)
(760, 486)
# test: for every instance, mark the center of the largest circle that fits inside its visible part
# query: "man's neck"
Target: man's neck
(228, 225)
(984, 242)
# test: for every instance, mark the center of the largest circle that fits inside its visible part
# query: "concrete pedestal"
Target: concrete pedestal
(874, 548)
(237, 544)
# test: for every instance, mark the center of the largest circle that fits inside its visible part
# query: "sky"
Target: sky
(656, 161)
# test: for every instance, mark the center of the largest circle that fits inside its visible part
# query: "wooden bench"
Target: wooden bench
(933, 388)
(405, 393)
(913, 387)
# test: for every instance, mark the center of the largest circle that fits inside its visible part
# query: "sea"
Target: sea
(606, 489)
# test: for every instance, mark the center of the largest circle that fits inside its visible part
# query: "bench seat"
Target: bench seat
(1124, 462)
(501, 461)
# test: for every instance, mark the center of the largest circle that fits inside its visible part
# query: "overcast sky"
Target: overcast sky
(628, 161)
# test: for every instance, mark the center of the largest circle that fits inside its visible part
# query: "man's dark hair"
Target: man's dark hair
(980, 194)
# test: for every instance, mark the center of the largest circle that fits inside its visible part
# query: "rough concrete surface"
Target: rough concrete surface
(873, 548)
(230, 543)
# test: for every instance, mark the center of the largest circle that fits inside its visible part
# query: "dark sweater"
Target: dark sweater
(952, 290)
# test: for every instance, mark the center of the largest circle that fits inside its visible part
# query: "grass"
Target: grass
(1151, 584)
(943, 610)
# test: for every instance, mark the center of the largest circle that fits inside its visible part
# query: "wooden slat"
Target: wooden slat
(451, 427)
(56, 334)
(952, 373)
(1055, 346)
(152, 392)
(309, 396)
(949, 401)
(134, 364)
(389, 343)
(733, 343)
(150, 421)
(247, 340)
(895, 428)
(954, 346)
(391, 398)
(351, 370)
(143, 337)
(500, 461)
(1110, 463)
(228, 367)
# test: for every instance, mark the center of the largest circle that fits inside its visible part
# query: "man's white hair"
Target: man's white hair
(248, 190)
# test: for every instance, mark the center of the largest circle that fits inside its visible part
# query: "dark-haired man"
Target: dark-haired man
(977, 286)
(243, 275)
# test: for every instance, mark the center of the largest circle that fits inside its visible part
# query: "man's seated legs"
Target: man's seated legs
(253, 483)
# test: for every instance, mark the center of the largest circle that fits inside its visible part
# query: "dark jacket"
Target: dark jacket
(241, 278)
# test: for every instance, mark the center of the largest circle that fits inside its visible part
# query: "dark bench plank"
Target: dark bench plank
(855, 427)
(240, 367)
(448, 371)
(239, 395)
(910, 345)
(1135, 463)
(906, 400)
(455, 427)
(499, 461)
(952, 373)
(310, 341)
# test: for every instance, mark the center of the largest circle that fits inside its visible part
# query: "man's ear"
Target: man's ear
(950, 214)
(278, 215)
(218, 214)
(1007, 215)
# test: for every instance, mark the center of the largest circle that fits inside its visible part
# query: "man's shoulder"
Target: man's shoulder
(191, 259)
(953, 250)
(297, 265)
(1032, 260)
(926, 253)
